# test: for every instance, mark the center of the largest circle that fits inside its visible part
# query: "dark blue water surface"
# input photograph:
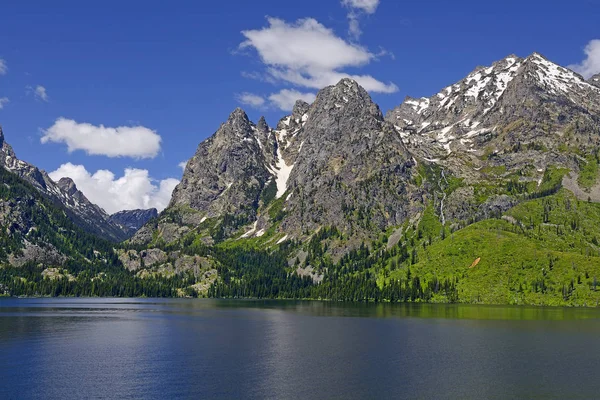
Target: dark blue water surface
(202, 349)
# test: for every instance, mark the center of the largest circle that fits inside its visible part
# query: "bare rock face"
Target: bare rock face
(349, 159)
(46, 255)
(228, 171)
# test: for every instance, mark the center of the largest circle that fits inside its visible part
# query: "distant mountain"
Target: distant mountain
(132, 220)
(84, 213)
(34, 229)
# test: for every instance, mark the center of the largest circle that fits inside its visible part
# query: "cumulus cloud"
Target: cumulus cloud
(39, 92)
(134, 190)
(3, 67)
(356, 9)
(286, 98)
(3, 102)
(308, 54)
(183, 164)
(591, 64)
(251, 99)
(122, 141)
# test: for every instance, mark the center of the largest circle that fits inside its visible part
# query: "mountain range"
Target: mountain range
(484, 192)
(84, 213)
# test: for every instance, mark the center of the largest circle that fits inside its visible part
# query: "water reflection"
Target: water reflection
(130, 348)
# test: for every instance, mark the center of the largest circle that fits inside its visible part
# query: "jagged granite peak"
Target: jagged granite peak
(347, 98)
(238, 122)
(67, 185)
(133, 220)
(228, 171)
(300, 108)
(5, 148)
(262, 125)
(64, 193)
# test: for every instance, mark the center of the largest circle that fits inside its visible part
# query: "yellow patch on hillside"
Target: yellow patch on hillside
(475, 263)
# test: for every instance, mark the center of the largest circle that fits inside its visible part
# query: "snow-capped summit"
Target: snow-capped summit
(483, 100)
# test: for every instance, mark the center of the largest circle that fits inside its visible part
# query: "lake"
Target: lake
(203, 349)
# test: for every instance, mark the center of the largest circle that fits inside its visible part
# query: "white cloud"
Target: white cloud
(3, 67)
(251, 99)
(3, 101)
(591, 65)
(354, 26)
(358, 7)
(368, 6)
(123, 141)
(308, 54)
(286, 98)
(134, 190)
(183, 164)
(39, 92)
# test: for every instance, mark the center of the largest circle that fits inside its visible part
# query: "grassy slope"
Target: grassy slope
(546, 254)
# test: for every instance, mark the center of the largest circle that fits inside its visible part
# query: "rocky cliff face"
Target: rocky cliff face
(228, 171)
(84, 213)
(348, 159)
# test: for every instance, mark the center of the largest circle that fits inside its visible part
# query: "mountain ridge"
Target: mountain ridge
(85, 214)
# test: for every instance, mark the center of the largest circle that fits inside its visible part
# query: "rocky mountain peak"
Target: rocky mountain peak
(237, 124)
(300, 108)
(67, 185)
(5, 149)
(229, 170)
(238, 113)
(472, 109)
(553, 78)
(262, 125)
(346, 97)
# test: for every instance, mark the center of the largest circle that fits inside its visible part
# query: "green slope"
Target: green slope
(543, 252)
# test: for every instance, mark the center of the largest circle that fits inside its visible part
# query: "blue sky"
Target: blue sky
(177, 69)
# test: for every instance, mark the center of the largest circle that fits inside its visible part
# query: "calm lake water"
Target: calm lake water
(165, 349)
